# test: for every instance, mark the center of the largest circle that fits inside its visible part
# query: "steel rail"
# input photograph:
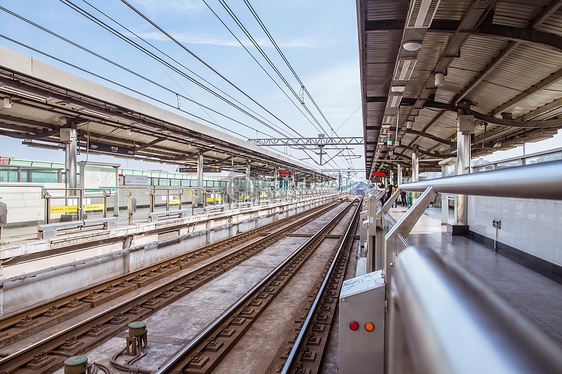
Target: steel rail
(452, 324)
(539, 181)
(52, 342)
(8, 321)
(180, 355)
(298, 342)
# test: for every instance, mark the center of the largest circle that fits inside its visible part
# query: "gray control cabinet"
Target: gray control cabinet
(362, 300)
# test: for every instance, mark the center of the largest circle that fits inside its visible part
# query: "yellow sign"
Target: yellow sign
(174, 202)
(64, 209)
(74, 208)
(92, 207)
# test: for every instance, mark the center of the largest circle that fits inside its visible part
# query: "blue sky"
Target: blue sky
(319, 39)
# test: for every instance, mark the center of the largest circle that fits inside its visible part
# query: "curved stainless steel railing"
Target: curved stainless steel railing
(540, 181)
(451, 324)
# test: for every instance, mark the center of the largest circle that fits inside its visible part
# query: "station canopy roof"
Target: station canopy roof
(425, 61)
(37, 100)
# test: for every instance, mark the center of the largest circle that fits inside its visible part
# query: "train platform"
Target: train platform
(534, 296)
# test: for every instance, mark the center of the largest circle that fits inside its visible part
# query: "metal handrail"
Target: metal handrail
(452, 324)
(538, 181)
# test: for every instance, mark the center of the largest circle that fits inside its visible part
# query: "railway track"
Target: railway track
(48, 354)
(206, 351)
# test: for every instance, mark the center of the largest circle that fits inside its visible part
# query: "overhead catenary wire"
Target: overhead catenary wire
(116, 65)
(101, 23)
(259, 64)
(125, 69)
(231, 13)
(276, 46)
(120, 35)
(168, 65)
(201, 61)
(113, 82)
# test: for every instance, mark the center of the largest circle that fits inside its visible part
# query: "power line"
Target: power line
(266, 31)
(201, 61)
(168, 65)
(273, 66)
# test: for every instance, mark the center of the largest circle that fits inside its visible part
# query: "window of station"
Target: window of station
(8, 175)
(544, 158)
(508, 164)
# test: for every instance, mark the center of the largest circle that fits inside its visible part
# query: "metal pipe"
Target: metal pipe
(454, 325)
(539, 181)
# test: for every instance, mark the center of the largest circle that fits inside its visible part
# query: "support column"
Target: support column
(465, 125)
(275, 174)
(201, 195)
(399, 167)
(415, 171)
(68, 135)
(248, 191)
(444, 197)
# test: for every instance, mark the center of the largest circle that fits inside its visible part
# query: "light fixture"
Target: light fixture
(22, 92)
(411, 45)
(404, 69)
(93, 113)
(438, 79)
(7, 104)
(397, 88)
(129, 132)
(421, 13)
(409, 125)
(388, 119)
(394, 101)
(386, 125)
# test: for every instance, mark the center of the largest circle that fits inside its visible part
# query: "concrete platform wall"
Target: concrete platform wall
(529, 225)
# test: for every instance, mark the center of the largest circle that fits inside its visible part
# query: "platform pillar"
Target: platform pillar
(201, 194)
(465, 125)
(68, 136)
(415, 171)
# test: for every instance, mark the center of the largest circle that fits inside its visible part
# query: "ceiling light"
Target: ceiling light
(411, 45)
(409, 125)
(421, 13)
(397, 88)
(93, 113)
(404, 69)
(7, 104)
(22, 92)
(388, 119)
(386, 125)
(394, 101)
(438, 79)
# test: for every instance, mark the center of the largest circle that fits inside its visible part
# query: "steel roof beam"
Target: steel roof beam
(551, 79)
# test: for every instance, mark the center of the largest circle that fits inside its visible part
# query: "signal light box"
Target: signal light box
(362, 324)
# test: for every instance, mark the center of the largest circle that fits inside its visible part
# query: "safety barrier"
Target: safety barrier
(49, 231)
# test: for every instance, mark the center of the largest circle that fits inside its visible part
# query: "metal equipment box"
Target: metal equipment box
(362, 308)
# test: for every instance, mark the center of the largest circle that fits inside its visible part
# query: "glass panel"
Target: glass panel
(508, 164)
(545, 158)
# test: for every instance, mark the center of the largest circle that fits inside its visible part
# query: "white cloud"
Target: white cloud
(230, 42)
(168, 6)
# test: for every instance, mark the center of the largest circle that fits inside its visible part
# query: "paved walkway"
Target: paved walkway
(536, 297)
